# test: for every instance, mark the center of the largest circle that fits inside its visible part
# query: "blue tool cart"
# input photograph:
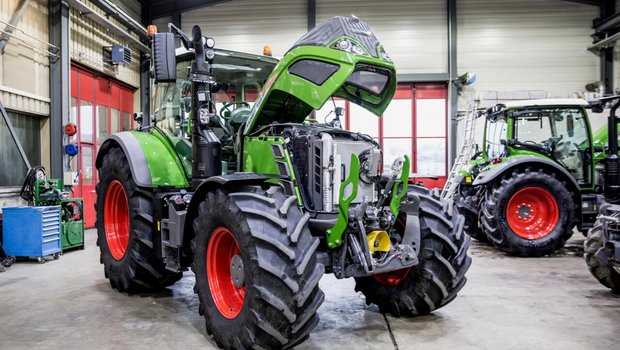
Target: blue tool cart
(31, 231)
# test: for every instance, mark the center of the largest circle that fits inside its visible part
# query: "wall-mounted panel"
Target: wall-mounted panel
(527, 44)
(414, 33)
(24, 66)
(246, 25)
(87, 40)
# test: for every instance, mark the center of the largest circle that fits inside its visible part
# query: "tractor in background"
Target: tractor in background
(539, 174)
(259, 203)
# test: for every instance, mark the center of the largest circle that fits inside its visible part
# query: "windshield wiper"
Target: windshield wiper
(531, 146)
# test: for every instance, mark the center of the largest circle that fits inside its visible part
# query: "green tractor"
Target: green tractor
(538, 175)
(260, 203)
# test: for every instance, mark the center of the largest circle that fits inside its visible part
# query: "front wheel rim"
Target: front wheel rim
(116, 219)
(222, 256)
(532, 213)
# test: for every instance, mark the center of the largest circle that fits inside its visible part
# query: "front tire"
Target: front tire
(469, 206)
(607, 275)
(439, 276)
(528, 213)
(125, 230)
(269, 295)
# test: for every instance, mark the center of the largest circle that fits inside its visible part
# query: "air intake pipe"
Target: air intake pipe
(206, 147)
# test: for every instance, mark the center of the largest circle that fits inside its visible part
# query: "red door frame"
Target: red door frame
(90, 86)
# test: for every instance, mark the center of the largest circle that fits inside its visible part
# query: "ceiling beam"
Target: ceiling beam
(162, 8)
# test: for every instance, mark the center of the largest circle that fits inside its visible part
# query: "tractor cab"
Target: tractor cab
(240, 76)
(556, 129)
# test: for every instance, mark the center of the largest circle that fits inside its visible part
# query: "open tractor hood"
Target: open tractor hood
(340, 58)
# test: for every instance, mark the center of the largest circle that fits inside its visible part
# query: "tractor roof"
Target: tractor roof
(547, 102)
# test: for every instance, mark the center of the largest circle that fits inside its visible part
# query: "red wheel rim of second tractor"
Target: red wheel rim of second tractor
(228, 298)
(532, 213)
(393, 278)
(116, 219)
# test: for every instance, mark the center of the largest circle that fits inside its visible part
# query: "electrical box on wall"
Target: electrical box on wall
(115, 55)
(121, 55)
(71, 178)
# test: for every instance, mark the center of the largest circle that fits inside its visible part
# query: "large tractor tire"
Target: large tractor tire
(257, 275)
(469, 207)
(607, 275)
(528, 213)
(125, 230)
(439, 276)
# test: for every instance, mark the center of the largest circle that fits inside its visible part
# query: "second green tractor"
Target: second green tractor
(539, 174)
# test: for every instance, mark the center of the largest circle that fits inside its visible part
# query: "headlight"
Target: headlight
(349, 47)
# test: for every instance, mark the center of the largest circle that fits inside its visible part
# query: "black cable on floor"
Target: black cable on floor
(387, 323)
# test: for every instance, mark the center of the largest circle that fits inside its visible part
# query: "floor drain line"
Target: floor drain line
(387, 323)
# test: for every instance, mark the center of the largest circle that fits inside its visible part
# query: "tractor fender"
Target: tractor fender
(522, 161)
(134, 153)
(213, 183)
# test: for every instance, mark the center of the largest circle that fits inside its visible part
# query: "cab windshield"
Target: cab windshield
(559, 132)
(239, 77)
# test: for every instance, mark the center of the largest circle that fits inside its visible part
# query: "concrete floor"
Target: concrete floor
(508, 303)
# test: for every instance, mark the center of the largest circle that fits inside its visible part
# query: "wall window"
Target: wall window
(415, 124)
(28, 130)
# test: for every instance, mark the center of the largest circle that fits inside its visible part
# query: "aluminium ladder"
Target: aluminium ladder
(465, 152)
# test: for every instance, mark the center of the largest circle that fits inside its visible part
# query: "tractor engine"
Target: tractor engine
(322, 162)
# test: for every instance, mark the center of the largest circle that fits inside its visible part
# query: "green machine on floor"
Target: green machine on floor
(38, 190)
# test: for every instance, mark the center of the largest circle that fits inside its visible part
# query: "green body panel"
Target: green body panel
(258, 155)
(283, 85)
(259, 158)
(402, 183)
(334, 234)
(164, 162)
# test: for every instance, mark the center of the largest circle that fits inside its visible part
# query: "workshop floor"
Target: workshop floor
(508, 303)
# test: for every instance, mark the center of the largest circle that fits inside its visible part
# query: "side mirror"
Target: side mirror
(164, 59)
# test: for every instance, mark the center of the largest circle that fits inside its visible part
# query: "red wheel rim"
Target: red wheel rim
(393, 278)
(532, 213)
(116, 219)
(221, 253)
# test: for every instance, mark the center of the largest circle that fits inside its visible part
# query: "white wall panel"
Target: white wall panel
(246, 25)
(413, 32)
(87, 39)
(527, 44)
(24, 71)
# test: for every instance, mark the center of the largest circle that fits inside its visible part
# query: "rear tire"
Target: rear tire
(126, 240)
(528, 213)
(605, 274)
(439, 276)
(280, 271)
